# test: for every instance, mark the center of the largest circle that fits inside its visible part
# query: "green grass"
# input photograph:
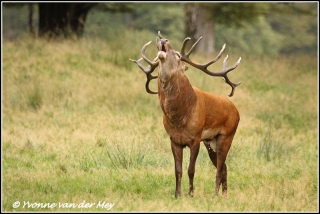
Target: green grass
(272, 147)
(78, 127)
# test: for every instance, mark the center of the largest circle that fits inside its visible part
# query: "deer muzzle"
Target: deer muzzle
(162, 55)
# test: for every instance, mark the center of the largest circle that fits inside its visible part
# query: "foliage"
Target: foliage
(255, 37)
(234, 14)
(267, 28)
(166, 17)
(116, 7)
(299, 28)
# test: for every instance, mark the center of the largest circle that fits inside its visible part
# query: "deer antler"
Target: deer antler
(160, 36)
(149, 69)
(204, 67)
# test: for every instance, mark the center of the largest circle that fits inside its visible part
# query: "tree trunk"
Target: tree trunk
(198, 24)
(78, 17)
(62, 19)
(31, 27)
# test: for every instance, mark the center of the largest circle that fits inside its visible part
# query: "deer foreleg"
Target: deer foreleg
(194, 151)
(177, 152)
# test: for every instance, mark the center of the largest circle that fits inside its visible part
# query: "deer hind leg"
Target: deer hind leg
(223, 146)
(194, 151)
(177, 152)
(211, 148)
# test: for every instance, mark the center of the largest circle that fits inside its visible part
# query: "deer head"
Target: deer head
(172, 60)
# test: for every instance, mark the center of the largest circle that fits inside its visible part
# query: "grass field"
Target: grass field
(79, 132)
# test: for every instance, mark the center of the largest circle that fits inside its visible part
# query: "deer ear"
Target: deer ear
(185, 68)
(178, 55)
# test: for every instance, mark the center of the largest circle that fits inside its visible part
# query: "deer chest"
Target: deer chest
(179, 135)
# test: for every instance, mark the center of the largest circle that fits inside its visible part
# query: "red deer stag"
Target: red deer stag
(189, 114)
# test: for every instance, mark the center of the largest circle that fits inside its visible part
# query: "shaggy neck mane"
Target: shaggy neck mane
(177, 99)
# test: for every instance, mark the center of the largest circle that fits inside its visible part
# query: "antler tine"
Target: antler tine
(149, 78)
(192, 47)
(149, 69)
(225, 77)
(204, 67)
(145, 58)
(160, 36)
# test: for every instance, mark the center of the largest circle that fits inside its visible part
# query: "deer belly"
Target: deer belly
(212, 143)
(208, 137)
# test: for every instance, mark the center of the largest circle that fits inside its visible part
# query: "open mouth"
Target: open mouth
(162, 53)
(163, 48)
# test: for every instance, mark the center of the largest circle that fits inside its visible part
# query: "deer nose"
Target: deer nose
(164, 41)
